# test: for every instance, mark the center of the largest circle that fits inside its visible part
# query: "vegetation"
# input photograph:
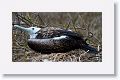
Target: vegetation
(89, 24)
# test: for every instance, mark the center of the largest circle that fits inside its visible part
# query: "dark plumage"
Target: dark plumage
(45, 42)
(55, 40)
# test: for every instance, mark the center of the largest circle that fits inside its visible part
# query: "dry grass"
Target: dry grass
(89, 24)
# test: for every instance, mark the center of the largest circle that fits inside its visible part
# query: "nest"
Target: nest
(87, 24)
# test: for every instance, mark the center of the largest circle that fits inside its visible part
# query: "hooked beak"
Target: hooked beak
(21, 28)
(30, 30)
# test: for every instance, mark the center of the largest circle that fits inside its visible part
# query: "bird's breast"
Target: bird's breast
(53, 45)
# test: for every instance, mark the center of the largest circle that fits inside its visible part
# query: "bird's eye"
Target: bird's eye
(32, 28)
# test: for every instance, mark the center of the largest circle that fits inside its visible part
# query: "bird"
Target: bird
(55, 40)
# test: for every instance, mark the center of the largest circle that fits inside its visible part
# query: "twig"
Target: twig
(68, 25)
(23, 19)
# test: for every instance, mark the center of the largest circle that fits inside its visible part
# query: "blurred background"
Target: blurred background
(88, 24)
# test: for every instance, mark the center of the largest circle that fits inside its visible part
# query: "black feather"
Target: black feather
(45, 43)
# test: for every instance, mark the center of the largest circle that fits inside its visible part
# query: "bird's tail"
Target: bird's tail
(90, 49)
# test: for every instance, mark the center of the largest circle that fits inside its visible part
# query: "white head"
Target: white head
(31, 30)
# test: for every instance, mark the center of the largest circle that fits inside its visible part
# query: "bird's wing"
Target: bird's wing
(71, 34)
(57, 33)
